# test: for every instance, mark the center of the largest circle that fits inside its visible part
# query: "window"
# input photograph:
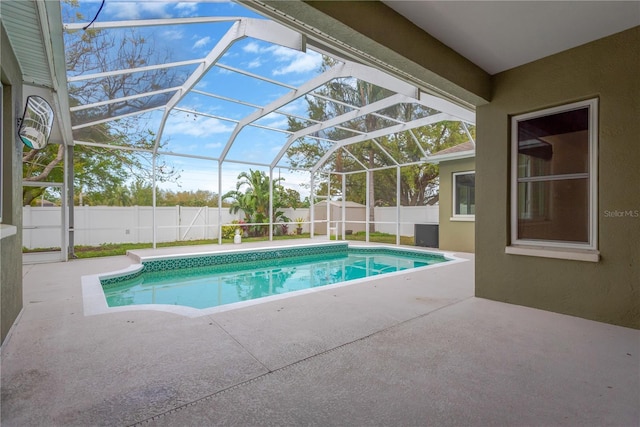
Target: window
(553, 177)
(464, 195)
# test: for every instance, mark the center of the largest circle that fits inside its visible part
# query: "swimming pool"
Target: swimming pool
(213, 281)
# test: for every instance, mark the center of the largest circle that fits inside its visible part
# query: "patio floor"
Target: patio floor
(415, 349)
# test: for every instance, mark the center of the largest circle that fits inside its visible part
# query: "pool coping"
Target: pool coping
(95, 302)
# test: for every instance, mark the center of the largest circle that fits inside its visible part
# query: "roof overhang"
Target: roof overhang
(439, 158)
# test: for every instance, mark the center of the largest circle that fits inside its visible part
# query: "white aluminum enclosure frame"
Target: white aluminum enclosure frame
(274, 33)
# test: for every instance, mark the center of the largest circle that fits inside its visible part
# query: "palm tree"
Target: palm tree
(251, 196)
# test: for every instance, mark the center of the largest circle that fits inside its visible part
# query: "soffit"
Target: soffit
(500, 35)
(22, 22)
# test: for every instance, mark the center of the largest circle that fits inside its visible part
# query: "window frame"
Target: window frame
(454, 215)
(592, 244)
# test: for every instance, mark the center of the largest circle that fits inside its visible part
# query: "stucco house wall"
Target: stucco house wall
(608, 290)
(11, 242)
(455, 235)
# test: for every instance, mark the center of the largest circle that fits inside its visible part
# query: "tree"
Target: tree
(348, 92)
(252, 197)
(188, 198)
(100, 173)
(291, 198)
(41, 165)
(141, 193)
(418, 183)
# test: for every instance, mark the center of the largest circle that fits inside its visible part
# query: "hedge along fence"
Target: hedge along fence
(95, 225)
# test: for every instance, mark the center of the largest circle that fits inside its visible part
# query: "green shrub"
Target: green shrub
(228, 231)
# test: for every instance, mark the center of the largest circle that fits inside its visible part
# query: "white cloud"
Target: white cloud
(281, 123)
(251, 47)
(282, 53)
(172, 34)
(296, 107)
(296, 62)
(292, 60)
(202, 42)
(186, 9)
(194, 178)
(274, 120)
(202, 85)
(136, 10)
(301, 64)
(199, 127)
(255, 63)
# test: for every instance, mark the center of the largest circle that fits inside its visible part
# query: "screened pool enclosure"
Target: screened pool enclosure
(163, 102)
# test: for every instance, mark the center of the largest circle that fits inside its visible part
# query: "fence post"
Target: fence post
(88, 225)
(136, 213)
(178, 222)
(205, 228)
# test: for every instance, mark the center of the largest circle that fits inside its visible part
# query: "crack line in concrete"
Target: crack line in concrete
(241, 346)
(262, 376)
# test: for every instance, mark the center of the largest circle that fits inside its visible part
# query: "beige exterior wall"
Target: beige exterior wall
(609, 290)
(11, 246)
(454, 235)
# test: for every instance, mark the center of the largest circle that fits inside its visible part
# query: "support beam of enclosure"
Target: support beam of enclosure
(398, 182)
(369, 108)
(354, 158)
(121, 116)
(445, 106)
(415, 140)
(282, 101)
(83, 77)
(386, 131)
(336, 133)
(257, 28)
(466, 129)
(384, 151)
(233, 34)
(124, 98)
(349, 69)
(150, 22)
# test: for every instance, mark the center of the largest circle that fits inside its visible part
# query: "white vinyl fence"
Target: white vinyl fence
(95, 225)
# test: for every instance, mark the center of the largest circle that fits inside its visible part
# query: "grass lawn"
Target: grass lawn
(379, 238)
(112, 249)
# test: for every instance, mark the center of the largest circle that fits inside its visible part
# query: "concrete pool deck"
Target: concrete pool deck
(419, 349)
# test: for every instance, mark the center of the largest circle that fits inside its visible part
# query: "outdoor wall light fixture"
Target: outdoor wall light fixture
(36, 123)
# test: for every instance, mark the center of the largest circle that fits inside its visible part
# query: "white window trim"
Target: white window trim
(549, 248)
(454, 216)
(463, 218)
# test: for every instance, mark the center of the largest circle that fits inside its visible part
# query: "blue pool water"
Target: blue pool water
(216, 285)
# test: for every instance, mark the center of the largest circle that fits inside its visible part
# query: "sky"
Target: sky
(196, 134)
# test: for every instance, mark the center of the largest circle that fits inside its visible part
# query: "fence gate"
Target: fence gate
(44, 227)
